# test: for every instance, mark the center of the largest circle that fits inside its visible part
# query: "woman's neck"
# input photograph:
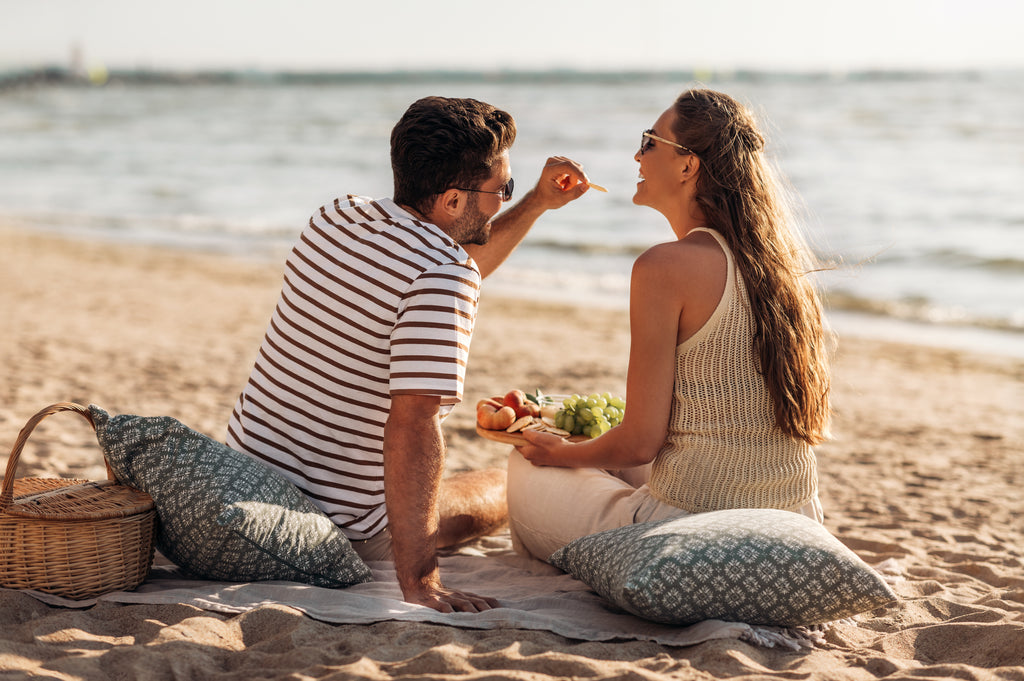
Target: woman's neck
(688, 219)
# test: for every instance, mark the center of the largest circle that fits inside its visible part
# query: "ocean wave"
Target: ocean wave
(1008, 263)
(952, 258)
(191, 232)
(595, 247)
(923, 311)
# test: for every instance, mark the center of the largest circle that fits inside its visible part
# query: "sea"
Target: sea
(909, 185)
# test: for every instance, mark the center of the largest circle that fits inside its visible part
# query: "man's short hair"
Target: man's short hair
(441, 143)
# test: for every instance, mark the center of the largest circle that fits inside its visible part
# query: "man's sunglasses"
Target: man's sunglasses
(505, 192)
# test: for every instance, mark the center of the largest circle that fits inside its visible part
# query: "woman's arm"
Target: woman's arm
(655, 306)
(674, 289)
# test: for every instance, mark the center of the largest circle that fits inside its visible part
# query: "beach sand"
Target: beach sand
(926, 468)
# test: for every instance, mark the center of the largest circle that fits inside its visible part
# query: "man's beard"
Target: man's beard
(472, 227)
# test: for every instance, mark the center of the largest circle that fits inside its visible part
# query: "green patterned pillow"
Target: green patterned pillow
(221, 514)
(759, 566)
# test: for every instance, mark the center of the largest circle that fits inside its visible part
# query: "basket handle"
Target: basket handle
(7, 491)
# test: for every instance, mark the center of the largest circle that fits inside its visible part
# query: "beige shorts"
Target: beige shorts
(549, 507)
(377, 547)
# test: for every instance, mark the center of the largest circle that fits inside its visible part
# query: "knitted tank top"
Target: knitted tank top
(723, 449)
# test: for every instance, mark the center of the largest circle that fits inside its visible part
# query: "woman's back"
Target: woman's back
(723, 448)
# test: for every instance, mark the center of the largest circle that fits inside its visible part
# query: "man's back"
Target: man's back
(374, 303)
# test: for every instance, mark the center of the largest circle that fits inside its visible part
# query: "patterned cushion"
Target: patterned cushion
(221, 514)
(759, 566)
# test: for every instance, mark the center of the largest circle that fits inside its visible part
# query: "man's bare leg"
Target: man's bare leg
(472, 504)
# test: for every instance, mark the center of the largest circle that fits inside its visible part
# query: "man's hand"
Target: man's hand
(434, 595)
(561, 180)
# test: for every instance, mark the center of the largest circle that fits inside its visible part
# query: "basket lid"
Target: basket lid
(92, 500)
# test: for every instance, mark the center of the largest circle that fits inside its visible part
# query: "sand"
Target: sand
(925, 469)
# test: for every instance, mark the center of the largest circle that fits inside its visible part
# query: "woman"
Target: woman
(728, 381)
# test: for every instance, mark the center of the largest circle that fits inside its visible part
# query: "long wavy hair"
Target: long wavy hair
(742, 199)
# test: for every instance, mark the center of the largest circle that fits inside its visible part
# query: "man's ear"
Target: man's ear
(446, 206)
(451, 203)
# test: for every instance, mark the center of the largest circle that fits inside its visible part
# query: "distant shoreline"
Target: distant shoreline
(51, 74)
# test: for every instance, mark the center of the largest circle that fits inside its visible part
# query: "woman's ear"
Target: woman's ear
(690, 167)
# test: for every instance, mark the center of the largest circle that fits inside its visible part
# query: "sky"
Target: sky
(339, 35)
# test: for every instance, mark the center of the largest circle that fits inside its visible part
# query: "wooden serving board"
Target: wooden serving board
(515, 439)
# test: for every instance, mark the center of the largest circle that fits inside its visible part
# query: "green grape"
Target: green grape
(591, 415)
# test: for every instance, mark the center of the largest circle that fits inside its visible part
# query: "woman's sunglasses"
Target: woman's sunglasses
(647, 142)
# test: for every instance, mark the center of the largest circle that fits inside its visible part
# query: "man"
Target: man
(367, 348)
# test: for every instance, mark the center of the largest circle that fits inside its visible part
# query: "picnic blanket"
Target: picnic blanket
(532, 594)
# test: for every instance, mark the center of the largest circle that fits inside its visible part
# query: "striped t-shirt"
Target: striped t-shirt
(374, 303)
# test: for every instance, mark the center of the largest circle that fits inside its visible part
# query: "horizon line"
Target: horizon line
(100, 74)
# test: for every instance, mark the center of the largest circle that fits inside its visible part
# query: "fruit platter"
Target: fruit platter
(505, 418)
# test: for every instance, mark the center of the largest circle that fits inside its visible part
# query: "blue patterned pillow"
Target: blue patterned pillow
(759, 566)
(221, 514)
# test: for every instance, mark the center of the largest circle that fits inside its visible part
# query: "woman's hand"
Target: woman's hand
(545, 449)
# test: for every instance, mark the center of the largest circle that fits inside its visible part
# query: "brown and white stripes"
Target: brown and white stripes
(374, 303)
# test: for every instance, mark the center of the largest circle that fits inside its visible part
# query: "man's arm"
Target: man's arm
(561, 181)
(414, 452)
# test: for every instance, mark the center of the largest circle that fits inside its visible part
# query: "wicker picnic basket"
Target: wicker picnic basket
(72, 538)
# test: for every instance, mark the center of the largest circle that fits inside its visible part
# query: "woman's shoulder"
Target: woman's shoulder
(698, 254)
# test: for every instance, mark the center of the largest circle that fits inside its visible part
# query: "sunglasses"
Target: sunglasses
(505, 192)
(647, 142)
